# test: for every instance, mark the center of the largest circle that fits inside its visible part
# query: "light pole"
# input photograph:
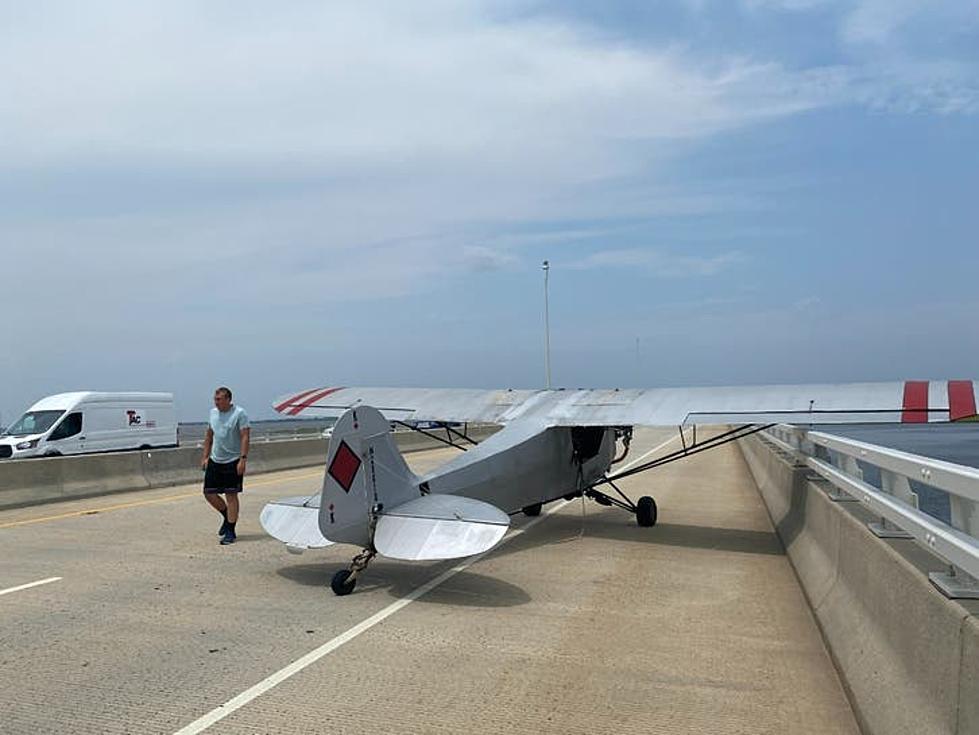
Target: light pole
(547, 330)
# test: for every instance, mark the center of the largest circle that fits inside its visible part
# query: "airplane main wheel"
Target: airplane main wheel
(646, 512)
(340, 585)
(532, 510)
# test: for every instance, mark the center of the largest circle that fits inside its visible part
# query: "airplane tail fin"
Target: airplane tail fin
(366, 477)
(365, 472)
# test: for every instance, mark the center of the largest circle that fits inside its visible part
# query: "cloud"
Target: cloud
(876, 20)
(789, 5)
(258, 168)
(361, 88)
(659, 263)
(902, 56)
(310, 146)
(480, 258)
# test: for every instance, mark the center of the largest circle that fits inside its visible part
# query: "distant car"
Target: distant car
(85, 422)
(327, 432)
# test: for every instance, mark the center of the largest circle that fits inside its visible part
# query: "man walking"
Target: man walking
(225, 460)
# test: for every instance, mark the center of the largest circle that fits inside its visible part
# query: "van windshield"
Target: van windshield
(34, 422)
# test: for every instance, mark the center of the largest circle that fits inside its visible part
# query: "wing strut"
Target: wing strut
(449, 431)
(645, 509)
(738, 432)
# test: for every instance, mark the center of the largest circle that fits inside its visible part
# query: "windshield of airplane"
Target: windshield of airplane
(34, 422)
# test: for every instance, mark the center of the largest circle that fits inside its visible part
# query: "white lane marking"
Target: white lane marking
(222, 711)
(232, 705)
(27, 586)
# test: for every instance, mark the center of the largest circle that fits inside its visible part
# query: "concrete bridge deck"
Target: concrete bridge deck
(583, 623)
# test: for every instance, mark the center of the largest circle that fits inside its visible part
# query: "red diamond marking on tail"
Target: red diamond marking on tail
(344, 466)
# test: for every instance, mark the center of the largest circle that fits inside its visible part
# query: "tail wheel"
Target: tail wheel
(646, 512)
(340, 585)
(532, 510)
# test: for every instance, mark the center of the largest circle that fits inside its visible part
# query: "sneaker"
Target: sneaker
(224, 528)
(228, 538)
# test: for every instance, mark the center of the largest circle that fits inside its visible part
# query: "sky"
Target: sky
(276, 196)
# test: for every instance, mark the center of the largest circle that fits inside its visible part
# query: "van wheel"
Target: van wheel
(52, 454)
(145, 447)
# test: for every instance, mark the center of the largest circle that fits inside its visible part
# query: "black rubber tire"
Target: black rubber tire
(340, 585)
(532, 510)
(646, 512)
(52, 454)
(572, 496)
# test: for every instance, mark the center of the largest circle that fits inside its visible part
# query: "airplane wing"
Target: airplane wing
(408, 404)
(893, 402)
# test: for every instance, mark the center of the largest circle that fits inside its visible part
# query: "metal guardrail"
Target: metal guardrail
(838, 460)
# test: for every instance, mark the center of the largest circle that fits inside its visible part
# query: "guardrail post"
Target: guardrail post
(899, 487)
(965, 515)
(956, 583)
(849, 466)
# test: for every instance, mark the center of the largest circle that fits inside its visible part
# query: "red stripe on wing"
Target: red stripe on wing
(961, 400)
(310, 400)
(915, 402)
(293, 399)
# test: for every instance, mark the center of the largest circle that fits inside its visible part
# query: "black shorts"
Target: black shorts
(222, 477)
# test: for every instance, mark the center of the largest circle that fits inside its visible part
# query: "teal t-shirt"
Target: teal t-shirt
(227, 428)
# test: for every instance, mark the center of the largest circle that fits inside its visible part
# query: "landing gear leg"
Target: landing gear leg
(345, 580)
(644, 510)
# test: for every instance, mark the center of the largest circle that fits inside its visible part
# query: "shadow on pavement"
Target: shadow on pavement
(466, 589)
(670, 534)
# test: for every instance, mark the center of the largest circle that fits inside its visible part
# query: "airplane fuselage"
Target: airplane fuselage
(520, 466)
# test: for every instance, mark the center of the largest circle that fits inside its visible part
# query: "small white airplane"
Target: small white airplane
(553, 444)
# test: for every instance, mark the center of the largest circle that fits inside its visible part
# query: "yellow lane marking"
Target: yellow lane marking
(152, 501)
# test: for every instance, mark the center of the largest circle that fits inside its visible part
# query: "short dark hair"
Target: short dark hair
(226, 391)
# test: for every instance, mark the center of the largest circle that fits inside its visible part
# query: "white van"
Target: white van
(84, 422)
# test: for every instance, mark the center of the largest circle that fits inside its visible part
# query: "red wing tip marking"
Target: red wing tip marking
(344, 466)
(915, 402)
(961, 400)
(292, 400)
(299, 403)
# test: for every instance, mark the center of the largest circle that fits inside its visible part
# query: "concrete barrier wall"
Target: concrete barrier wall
(908, 657)
(34, 481)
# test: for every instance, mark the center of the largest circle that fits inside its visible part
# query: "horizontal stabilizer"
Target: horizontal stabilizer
(295, 522)
(439, 527)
